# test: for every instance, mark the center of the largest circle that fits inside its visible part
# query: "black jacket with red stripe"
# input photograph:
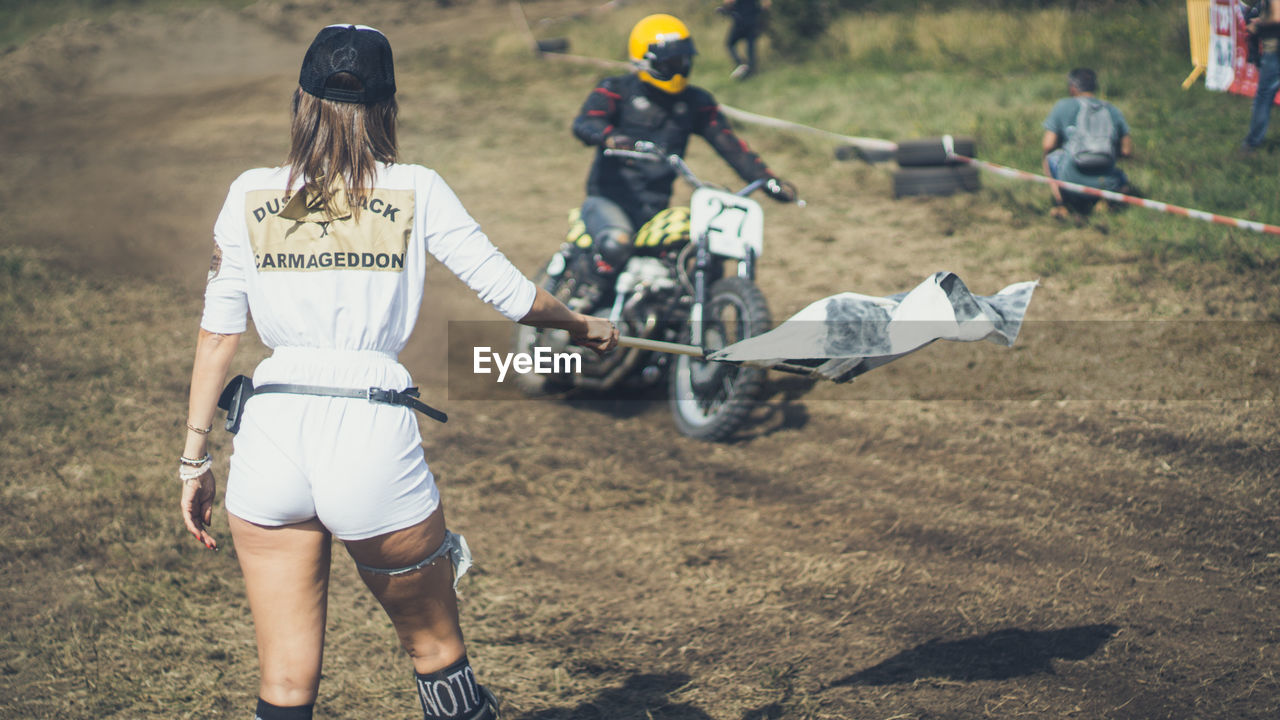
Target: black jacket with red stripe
(625, 105)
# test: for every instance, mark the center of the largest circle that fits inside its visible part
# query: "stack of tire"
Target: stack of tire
(924, 168)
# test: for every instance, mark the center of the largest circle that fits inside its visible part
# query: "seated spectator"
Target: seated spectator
(1083, 138)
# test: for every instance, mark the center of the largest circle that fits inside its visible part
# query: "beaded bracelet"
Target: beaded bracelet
(197, 462)
(199, 431)
(187, 471)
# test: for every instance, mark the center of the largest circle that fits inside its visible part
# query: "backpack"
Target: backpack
(1092, 146)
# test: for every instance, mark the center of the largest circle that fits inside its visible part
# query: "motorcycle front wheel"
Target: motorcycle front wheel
(711, 401)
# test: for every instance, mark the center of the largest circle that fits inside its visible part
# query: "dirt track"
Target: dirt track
(964, 534)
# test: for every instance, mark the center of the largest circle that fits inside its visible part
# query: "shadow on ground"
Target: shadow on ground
(640, 697)
(1000, 655)
(644, 697)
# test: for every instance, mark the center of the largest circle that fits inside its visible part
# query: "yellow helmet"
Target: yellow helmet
(662, 51)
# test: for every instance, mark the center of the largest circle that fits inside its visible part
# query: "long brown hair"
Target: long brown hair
(338, 142)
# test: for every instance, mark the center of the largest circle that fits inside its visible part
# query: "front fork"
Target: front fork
(746, 269)
(702, 261)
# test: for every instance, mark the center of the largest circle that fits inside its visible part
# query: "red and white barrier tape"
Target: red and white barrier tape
(1110, 195)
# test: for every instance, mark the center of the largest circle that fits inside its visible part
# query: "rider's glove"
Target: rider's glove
(780, 190)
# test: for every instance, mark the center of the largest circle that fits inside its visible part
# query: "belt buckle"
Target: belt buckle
(381, 395)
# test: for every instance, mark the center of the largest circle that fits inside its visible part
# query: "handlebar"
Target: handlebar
(645, 150)
(649, 151)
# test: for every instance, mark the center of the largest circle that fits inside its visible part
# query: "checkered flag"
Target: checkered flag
(843, 336)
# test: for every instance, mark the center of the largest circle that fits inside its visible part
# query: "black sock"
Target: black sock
(451, 693)
(267, 711)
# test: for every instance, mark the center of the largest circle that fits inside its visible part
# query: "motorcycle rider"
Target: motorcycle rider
(654, 104)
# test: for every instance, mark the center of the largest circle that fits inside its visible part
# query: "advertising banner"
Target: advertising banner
(1228, 67)
(1221, 70)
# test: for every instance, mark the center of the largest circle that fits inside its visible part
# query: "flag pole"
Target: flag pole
(695, 351)
(661, 346)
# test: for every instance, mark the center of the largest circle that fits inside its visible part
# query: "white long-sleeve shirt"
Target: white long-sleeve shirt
(347, 284)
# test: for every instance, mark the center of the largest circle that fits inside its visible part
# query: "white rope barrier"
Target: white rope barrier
(862, 142)
(866, 143)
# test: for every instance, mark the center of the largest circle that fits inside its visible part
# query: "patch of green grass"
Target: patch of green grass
(995, 73)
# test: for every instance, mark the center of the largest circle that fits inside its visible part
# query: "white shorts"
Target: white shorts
(355, 465)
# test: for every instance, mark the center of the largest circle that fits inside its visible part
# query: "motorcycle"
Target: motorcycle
(690, 283)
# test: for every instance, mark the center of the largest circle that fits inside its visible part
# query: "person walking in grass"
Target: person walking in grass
(1266, 29)
(1084, 136)
(329, 253)
(745, 28)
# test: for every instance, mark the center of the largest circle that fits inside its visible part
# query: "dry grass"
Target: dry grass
(1096, 542)
(937, 39)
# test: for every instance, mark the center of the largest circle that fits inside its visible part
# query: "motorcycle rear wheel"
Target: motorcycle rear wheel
(711, 401)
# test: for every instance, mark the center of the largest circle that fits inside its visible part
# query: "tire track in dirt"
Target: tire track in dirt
(888, 537)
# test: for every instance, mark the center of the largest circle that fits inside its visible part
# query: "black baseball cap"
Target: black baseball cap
(357, 49)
